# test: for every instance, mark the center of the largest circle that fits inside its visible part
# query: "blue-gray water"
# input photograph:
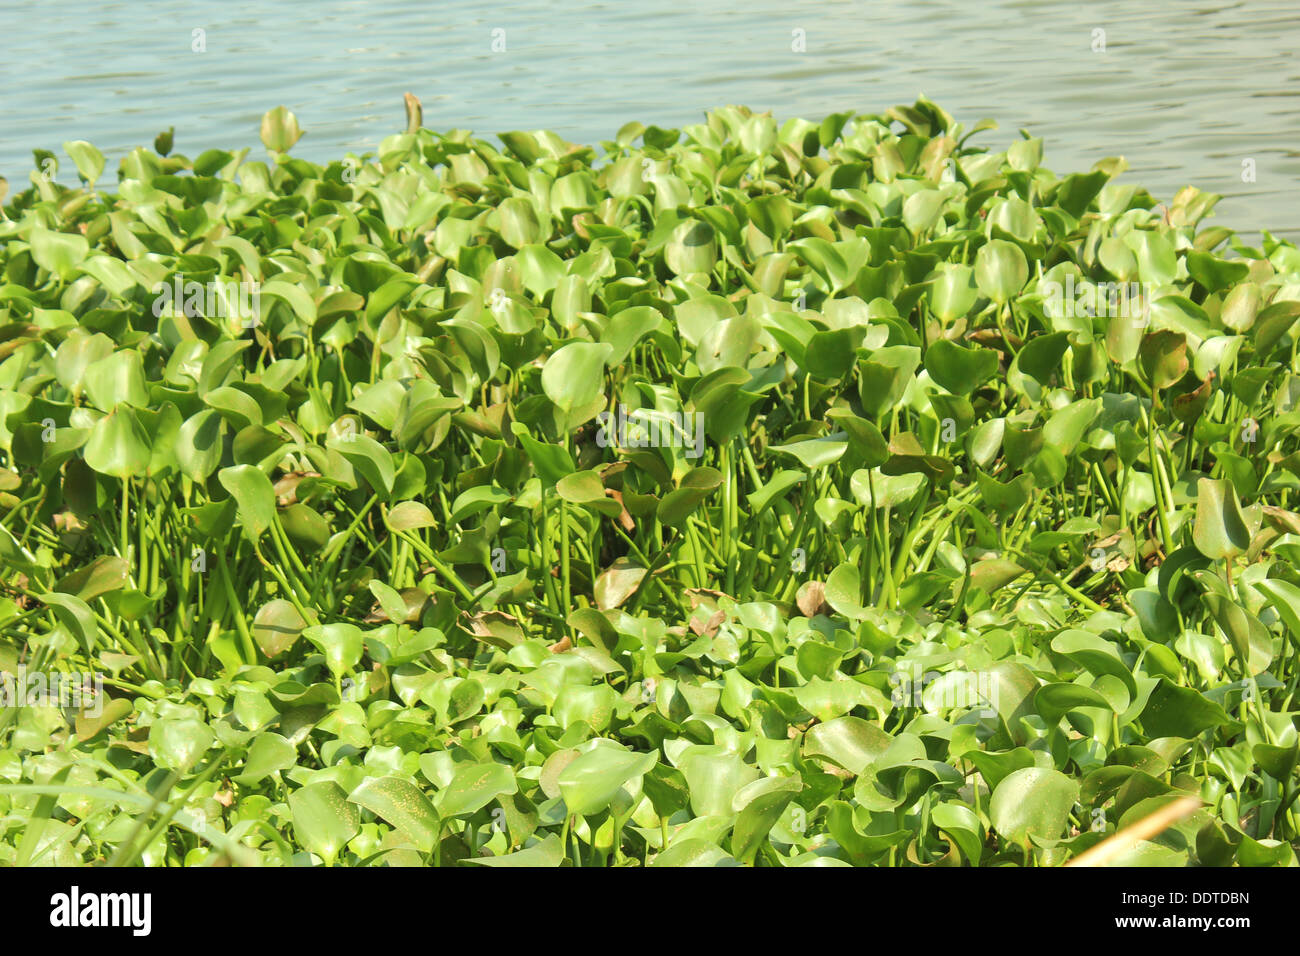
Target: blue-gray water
(1185, 91)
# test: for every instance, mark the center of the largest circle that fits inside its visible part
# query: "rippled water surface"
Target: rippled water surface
(1185, 91)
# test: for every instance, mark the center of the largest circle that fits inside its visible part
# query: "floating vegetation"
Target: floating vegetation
(834, 493)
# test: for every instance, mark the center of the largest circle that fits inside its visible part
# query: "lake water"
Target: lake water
(1187, 92)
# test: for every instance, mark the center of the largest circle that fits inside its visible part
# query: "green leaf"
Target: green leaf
(474, 787)
(254, 497)
(552, 462)
(59, 252)
(591, 781)
(958, 369)
(760, 805)
(199, 444)
(849, 742)
(1000, 270)
(692, 248)
(548, 853)
(269, 753)
(178, 743)
(844, 590)
(323, 819)
(89, 160)
(341, 644)
(1164, 357)
(280, 130)
(119, 445)
(76, 615)
(682, 502)
(403, 805)
(372, 460)
(1173, 711)
(574, 376)
(277, 626)
(1032, 803)
(1220, 532)
(952, 293)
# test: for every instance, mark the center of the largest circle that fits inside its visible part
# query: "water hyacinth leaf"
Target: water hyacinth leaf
(815, 453)
(59, 252)
(105, 574)
(714, 777)
(401, 804)
(694, 852)
(276, 626)
(1095, 654)
(390, 601)
(88, 160)
(90, 724)
(1041, 356)
(474, 787)
(1157, 261)
(829, 354)
(617, 583)
(960, 370)
(574, 376)
(280, 130)
(585, 488)
(1053, 701)
(759, 806)
(590, 782)
(692, 248)
(549, 852)
(1173, 711)
(117, 379)
(119, 445)
(372, 460)
(199, 444)
(1000, 270)
(627, 328)
(682, 502)
(268, 754)
(254, 497)
(883, 377)
(518, 222)
(388, 295)
(843, 591)
(850, 742)
(409, 515)
(1164, 358)
(341, 644)
(323, 819)
(776, 488)
(1220, 531)
(74, 614)
(864, 438)
(952, 293)
(305, 527)
(1285, 598)
(1032, 803)
(179, 743)
(1251, 641)
(1241, 306)
(552, 462)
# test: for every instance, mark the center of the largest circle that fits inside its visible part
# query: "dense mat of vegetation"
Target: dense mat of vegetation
(964, 535)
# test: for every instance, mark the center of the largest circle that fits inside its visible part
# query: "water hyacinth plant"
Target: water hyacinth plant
(986, 551)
